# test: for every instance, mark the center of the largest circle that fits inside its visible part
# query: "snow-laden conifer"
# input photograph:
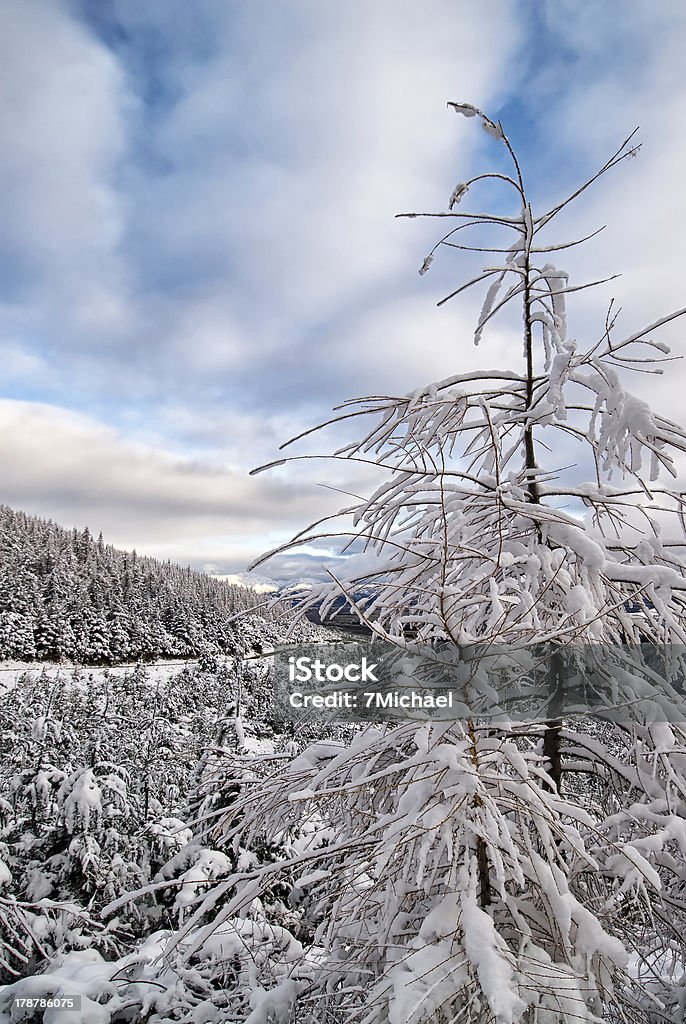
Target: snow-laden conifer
(509, 872)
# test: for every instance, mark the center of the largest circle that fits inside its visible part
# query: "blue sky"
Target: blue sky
(199, 255)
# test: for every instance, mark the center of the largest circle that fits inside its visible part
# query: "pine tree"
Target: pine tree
(518, 871)
(65, 596)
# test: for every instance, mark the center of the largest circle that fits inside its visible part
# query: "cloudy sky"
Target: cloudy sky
(198, 250)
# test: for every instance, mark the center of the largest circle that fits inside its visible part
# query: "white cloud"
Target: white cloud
(63, 129)
(634, 78)
(183, 217)
(344, 125)
(407, 342)
(247, 579)
(73, 468)
(20, 366)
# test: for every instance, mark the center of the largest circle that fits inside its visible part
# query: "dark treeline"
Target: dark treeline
(67, 595)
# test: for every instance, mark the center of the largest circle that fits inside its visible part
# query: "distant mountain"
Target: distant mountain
(67, 595)
(261, 584)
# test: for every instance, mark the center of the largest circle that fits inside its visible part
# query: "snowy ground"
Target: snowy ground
(158, 671)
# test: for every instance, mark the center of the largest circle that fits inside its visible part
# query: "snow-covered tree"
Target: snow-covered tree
(66, 596)
(509, 872)
(491, 870)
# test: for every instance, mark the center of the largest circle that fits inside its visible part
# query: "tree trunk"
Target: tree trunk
(551, 737)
